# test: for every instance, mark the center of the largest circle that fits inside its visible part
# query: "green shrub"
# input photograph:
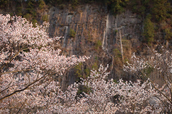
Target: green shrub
(28, 16)
(62, 6)
(160, 9)
(45, 18)
(74, 3)
(41, 4)
(117, 6)
(72, 33)
(4, 3)
(117, 58)
(30, 6)
(96, 58)
(19, 11)
(98, 44)
(87, 72)
(95, 66)
(34, 21)
(81, 72)
(115, 81)
(117, 53)
(148, 30)
(168, 33)
(148, 70)
(78, 69)
(84, 89)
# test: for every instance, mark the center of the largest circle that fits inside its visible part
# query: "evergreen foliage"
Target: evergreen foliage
(168, 33)
(3, 3)
(160, 9)
(78, 69)
(41, 4)
(148, 30)
(72, 33)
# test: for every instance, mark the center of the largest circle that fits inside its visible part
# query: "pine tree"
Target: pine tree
(148, 30)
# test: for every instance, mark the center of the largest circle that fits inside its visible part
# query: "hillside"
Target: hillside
(60, 67)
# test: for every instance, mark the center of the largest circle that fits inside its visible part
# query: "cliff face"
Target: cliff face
(92, 30)
(92, 24)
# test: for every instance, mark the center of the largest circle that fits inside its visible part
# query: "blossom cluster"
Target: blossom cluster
(161, 63)
(137, 64)
(28, 64)
(130, 97)
(106, 96)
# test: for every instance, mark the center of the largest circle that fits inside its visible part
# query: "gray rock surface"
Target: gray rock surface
(92, 24)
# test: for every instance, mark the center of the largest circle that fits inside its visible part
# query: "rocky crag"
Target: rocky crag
(90, 24)
(92, 30)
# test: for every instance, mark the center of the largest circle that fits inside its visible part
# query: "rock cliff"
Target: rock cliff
(91, 24)
(92, 30)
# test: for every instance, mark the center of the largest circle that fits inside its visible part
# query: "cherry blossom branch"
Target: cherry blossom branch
(10, 60)
(17, 91)
(6, 88)
(16, 71)
(157, 88)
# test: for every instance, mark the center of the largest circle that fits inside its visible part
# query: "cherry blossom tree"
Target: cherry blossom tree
(161, 63)
(29, 62)
(106, 96)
